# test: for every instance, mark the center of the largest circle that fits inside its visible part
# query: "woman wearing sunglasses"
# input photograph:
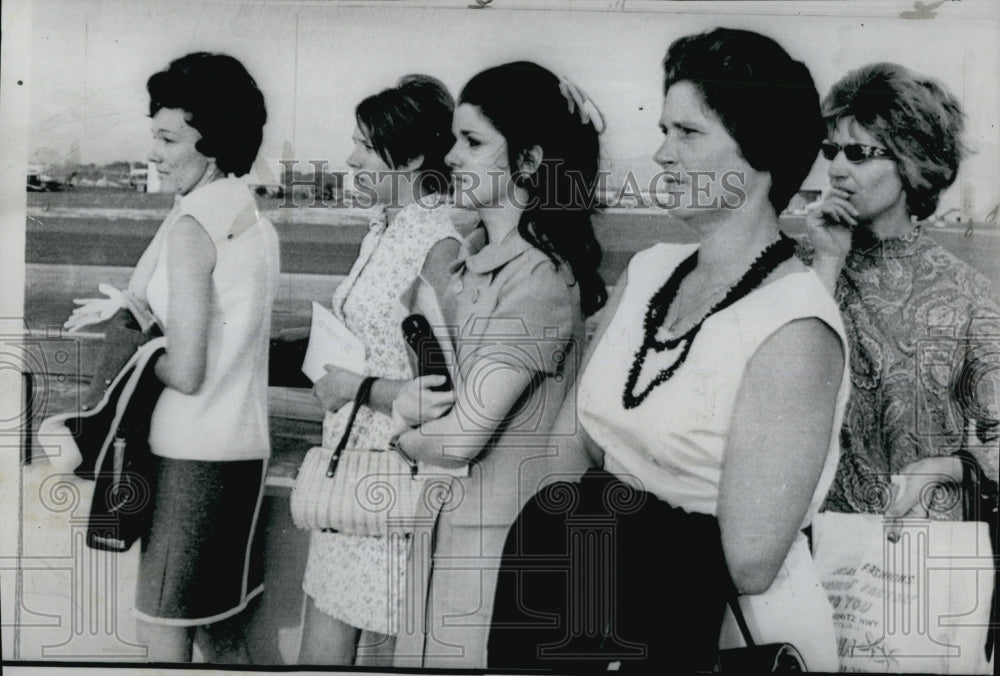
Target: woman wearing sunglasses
(894, 145)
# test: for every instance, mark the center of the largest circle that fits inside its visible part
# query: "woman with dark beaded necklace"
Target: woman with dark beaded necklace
(713, 390)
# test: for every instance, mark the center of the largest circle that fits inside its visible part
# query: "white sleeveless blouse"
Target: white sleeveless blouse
(227, 418)
(675, 439)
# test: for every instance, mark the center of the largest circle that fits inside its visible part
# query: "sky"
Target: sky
(315, 60)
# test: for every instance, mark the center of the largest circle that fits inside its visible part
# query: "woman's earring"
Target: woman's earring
(527, 177)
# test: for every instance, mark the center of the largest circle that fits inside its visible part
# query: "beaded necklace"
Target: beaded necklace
(769, 259)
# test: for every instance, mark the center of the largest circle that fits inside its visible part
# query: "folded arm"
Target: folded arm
(509, 353)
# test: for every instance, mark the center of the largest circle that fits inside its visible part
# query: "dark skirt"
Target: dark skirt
(597, 572)
(201, 562)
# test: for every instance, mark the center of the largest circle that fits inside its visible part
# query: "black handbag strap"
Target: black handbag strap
(979, 503)
(734, 605)
(364, 391)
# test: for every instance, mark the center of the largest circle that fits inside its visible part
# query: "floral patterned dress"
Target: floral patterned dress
(354, 578)
(923, 330)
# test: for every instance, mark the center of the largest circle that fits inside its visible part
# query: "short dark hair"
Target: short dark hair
(765, 99)
(223, 103)
(523, 101)
(915, 117)
(410, 120)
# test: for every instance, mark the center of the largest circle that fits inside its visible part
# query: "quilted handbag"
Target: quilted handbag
(362, 491)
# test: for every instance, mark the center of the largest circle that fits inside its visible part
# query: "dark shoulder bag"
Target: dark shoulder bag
(773, 658)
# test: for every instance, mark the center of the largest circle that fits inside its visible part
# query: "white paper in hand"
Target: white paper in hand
(331, 342)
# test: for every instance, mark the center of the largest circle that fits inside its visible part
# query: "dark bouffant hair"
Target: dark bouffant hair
(523, 101)
(765, 99)
(915, 117)
(223, 103)
(410, 120)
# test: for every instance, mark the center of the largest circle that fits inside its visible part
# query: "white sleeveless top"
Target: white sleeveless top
(675, 439)
(226, 419)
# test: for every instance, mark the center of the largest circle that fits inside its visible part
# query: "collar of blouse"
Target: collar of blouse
(904, 246)
(378, 221)
(482, 258)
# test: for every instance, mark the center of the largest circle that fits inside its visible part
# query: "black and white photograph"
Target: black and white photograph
(533, 336)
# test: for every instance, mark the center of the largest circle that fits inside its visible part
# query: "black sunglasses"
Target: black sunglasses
(854, 152)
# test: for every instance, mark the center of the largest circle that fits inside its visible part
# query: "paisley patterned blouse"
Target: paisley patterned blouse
(924, 330)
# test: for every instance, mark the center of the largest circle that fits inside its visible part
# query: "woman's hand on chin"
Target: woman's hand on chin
(829, 223)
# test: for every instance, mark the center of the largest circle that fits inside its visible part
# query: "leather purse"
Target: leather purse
(108, 442)
(771, 658)
(362, 491)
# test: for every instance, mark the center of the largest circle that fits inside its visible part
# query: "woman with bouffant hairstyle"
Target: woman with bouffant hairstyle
(222, 102)
(353, 582)
(767, 107)
(209, 278)
(709, 401)
(919, 121)
(894, 144)
(412, 119)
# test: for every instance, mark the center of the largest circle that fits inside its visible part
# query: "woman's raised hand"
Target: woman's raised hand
(95, 310)
(417, 403)
(830, 222)
(337, 387)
